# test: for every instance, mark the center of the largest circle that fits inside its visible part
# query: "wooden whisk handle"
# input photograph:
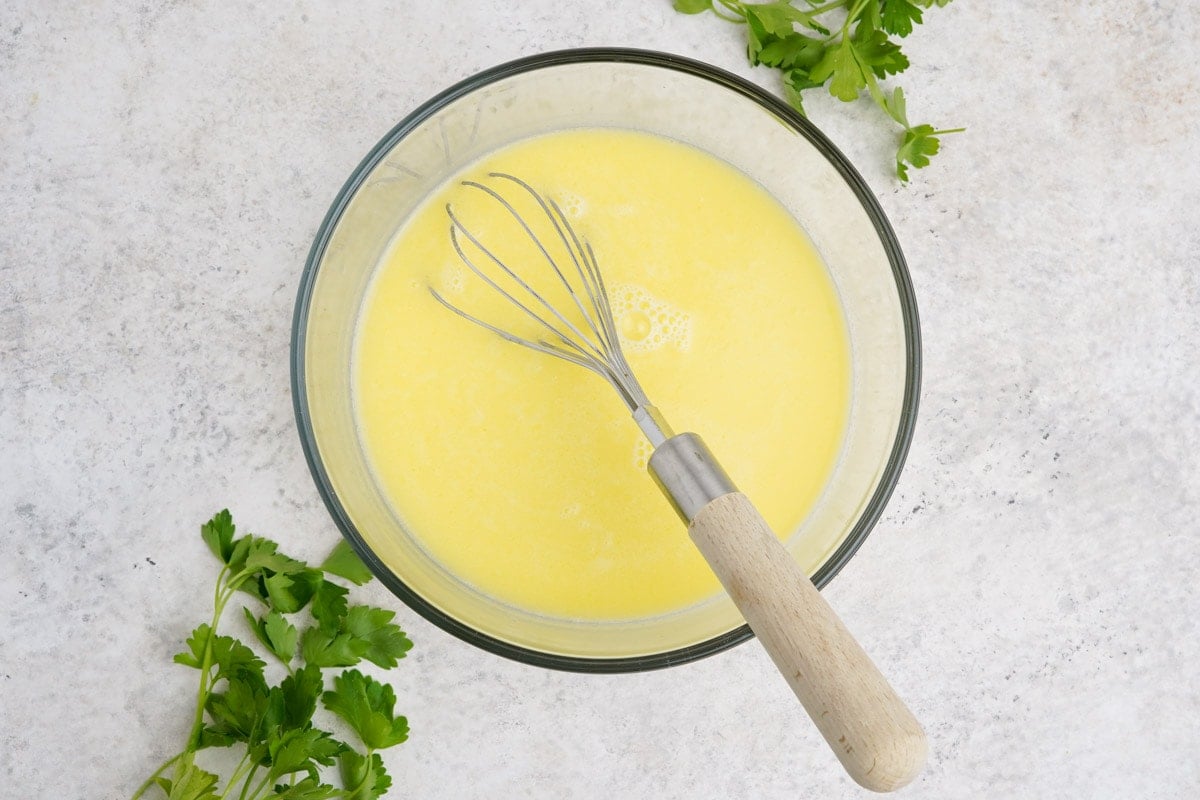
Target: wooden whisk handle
(875, 736)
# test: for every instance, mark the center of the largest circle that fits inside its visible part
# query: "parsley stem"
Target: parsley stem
(815, 10)
(193, 740)
(854, 13)
(351, 793)
(246, 785)
(241, 767)
(261, 785)
(873, 85)
(141, 790)
(736, 14)
(219, 601)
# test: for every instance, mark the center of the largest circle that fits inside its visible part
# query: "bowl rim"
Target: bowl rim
(892, 469)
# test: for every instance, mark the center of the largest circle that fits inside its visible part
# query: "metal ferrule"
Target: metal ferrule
(688, 474)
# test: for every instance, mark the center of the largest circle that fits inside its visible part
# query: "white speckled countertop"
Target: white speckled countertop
(1031, 588)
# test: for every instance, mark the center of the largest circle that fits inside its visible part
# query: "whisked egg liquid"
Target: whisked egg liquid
(524, 475)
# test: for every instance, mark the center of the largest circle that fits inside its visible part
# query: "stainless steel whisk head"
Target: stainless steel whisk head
(588, 338)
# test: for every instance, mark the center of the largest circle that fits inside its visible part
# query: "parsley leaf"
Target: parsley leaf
(300, 691)
(237, 554)
(307, 789)
(329, 605)
(335, 648)
(692, 6)
(277, 634)
(301, 750)
(881, 55)
(290, 592)
(367, 706)
(363, 776)
(776, 19)
(218, 535)
(794, 50)
(232, 658)
(228, 655)
(770, 24)
(899, 16)
(840, 64)
(197, 644)
(385, 641)
(264, 555)
(920, 144)
(255, 559)
(193, 784)
(345, 563)
(362, 632)
(237, 713)
(896, 107)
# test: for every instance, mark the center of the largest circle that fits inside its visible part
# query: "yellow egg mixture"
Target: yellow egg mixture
(525, 475)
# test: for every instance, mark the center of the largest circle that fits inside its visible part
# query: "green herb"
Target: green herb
(284, 755)
(848, 57)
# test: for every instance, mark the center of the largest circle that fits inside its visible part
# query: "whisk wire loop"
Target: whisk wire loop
(593, 344)
(456, 228)
(562, 227)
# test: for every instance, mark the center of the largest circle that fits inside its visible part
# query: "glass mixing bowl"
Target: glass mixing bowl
(672, 97)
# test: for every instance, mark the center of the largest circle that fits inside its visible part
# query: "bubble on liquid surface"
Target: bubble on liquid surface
(635, 326)
(642, 450)
(645, 323)
(453, 278)
(571, 204)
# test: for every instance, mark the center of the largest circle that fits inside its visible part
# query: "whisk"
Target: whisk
(874, 735)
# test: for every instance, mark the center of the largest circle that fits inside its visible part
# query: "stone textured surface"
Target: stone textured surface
(1031, 588)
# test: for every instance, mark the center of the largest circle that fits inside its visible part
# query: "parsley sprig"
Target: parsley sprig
(284, 754)
(848, 58)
